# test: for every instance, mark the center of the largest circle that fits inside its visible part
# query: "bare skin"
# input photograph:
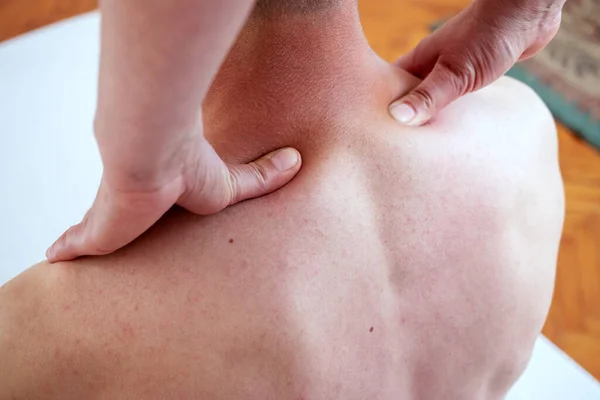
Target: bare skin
(401, 263)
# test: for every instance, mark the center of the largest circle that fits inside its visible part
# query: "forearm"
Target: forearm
(157, 61)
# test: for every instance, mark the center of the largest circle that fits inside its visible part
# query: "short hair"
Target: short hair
(282, 7)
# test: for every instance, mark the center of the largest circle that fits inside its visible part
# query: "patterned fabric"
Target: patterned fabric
(571, 62)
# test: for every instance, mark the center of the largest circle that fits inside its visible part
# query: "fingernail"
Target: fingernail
(285, 159)
(403, 112)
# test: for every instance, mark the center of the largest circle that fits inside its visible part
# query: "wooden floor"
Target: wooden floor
(393, 27)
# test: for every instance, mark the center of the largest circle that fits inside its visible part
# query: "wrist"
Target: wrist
(137, 178)
(140, 158)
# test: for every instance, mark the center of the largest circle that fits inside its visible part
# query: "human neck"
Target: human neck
(286, 76)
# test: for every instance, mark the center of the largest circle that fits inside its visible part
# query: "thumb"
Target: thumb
(264, 175)
(442, 86)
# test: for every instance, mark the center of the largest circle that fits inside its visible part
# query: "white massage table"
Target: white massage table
(50, 168)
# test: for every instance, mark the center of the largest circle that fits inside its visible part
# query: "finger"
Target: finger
(420, 60)
(536, 48)
(264, 175)
(442, 86)
(64, 248)
(114, 221)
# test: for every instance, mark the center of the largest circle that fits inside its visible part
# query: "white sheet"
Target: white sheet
(47, 99)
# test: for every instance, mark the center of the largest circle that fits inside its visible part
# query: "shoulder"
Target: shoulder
(510, 91)
(506, 138)
(508, 119)
(20, 327)
(523, 126)
(519, 105)
(496, 147)
(40, 356)
(102, 326)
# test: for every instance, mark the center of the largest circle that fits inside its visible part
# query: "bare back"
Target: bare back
(400, 263)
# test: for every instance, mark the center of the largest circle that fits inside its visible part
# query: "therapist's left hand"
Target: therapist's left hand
(126, 204)
(472, 50)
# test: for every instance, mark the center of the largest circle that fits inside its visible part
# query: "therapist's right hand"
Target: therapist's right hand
(131, 200)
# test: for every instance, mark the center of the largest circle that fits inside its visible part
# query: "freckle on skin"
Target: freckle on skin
(137, 307)
(128, 330)
(231, 240)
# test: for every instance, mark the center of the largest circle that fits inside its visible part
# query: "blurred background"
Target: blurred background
(567, 76)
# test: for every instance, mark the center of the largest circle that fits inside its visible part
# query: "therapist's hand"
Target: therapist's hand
(472, 50)
(131, 200)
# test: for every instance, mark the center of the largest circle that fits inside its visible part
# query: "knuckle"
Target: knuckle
(261, 174)
(212, 192)
(233, 180)
(231, 192)
(424, 97)
(460, 75)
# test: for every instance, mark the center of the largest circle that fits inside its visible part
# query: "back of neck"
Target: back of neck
(289, 75)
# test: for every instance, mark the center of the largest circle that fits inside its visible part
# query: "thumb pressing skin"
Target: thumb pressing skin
(441, 87)
(264, 175)
(239, 182)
